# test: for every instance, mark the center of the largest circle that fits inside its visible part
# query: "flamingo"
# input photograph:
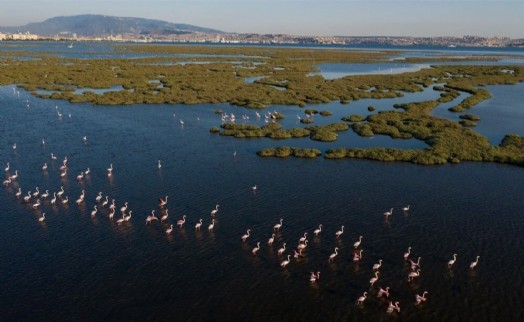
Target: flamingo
(45, 194)
(105, 201)
(182, 221)
(66, 200)
(85, 139)
(362, 298)
(357, 243)
(412, 275)
(285, 262)
(164, 217)
(170, 229)
(112, 214)
(99, 197)
(254, 188)
(406, 209)
(271, 240)
(302, 239)
(278, 226)
(317, 231)
(127, 218)
(406, 255)
(26, 198)
(451, 262)
(36, 193)
(340, 232)
(88, 171)
(7, 167)
(53, 201)
(302, 246)
(376, 267)
(474, 264)
(162, 202)
(382, 291)
(282, 249)
(124, 208)
(256, 249)
(151, 217)
(14, 146)
(36, 205)
(159, 164)
(415, 265)
(14, 176)
(388, 213)
(121, 220)
(41, 219)
(332, 256)
(19, 193)
(392, 307)
(198, 225)
(64, 173)
(53, 157)
(297, 254)
(212, 225)
(93, 213)
(44, 168)
(374, 279)
(61, 192)
(421, 298)
(214, 211)
(7, 181)
(112, 205)
(357, 256)
(80, 176)
(314, 277)
(246, 235)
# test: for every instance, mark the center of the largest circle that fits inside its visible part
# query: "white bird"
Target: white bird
(357, 256)
(159, 164)
(271, 240)
(388, 213)
(415, 265)
(212, 225)
(26, 198)
(93, 213)
(412, 275)
(61, 192)
(254, 188)
(124, 208)
(357, 243)
(112, 214)
(105, 202)
(128, 217)
(112, 206)
(45, 194)
(80, 176)
(256, 249)
(302, 246)
(314, 277)
(162, 202)
(378, 265)
(36, 193)
(41, 219)
(282, 249)
(7, 181)
(53, 201)
(392, 307)
(85, 139)
(99, 197)
(285, 262)
(382, 291)
(64, 173)
(121, 220)
(278, 226)
(340, 232)
(406, 255)
(14, 146)
(198, 225)
(421, 298)
(302, 239)
(214, 211)
(53, 157)
(36, 205)
(7, 167)
(405, 209)
(182, 221)
(474, 264)
(332, 256)
(246, 235)
(362, 298)
(19, 193)
(66, 200)
(318, 230)
(14, 176)
(374, 279)
(169, 230)
(44, 168)
(164, 217)
(451, 262)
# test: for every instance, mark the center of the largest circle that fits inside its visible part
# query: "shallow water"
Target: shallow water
(76, 267)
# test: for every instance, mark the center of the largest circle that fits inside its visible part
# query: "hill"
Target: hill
(99, 25)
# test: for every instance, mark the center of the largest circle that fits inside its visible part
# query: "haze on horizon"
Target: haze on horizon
(417, 18)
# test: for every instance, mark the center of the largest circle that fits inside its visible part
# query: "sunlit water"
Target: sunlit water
(75, 267)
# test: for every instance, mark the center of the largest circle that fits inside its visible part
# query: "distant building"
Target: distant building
(21, 36)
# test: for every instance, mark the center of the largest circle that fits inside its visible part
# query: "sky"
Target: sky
(417, 18)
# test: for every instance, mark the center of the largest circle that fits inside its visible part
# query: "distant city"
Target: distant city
(236, 38)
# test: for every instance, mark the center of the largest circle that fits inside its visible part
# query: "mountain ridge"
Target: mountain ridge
(92, 25)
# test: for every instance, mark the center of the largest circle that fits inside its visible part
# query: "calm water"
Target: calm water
(75, 267)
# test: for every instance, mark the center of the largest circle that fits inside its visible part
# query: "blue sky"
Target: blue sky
(503, 18)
